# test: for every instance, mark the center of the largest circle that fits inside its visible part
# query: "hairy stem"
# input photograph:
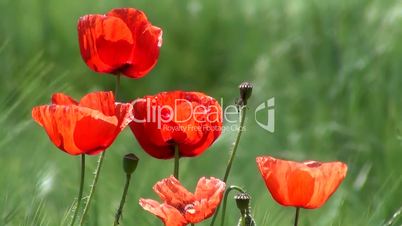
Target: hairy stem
(233, 153)
(117, 86)
(176, 162)
(122, 201)
(93, 187)
(236, 144)
(81, 189)
(297, 216)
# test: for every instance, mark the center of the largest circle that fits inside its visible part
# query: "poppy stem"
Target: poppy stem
(231, 188)
(394, 217)
(176, 162)
(79, 198)
(233, 153)
(123, 200)
(297, 216)
(93, 187)
(117, 86)
(236, 144)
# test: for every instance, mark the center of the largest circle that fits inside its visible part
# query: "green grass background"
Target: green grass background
(334, 68)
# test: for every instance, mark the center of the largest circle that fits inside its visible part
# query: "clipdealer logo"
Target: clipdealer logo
(162, 115)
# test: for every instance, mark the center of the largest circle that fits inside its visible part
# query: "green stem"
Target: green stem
(117, 86)
(93, 187)
(99, 165)
(233, 153)
(122, 201)
(236, 144)
(81, 189)
(297, 216)
(176, 162)
(394, 217)
(231, 188)
(243, 219)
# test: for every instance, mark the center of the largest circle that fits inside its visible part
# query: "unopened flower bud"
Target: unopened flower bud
(242, 201)
(130, 162)
(246, 89)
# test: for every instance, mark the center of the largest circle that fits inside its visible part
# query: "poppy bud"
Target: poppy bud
(242, 201)
(246, 89)
(130, 162)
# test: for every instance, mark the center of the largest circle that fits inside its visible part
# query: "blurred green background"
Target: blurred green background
(334, 68)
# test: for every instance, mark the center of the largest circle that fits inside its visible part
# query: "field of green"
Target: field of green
(334, 68)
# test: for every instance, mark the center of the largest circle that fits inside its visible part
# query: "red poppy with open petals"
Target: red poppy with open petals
(301, 184)
(86, 127)
(190, 120)
(122, 41)
(181, 207)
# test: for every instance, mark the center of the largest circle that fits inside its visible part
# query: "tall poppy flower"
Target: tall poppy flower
(122, 41)
(181, 207)
(192, 121)
(301, 184)
(85, 127)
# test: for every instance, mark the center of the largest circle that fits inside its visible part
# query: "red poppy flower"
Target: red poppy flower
(301, 184)
(122, 41)
(190, 120)
(86, 127)
(182, 207)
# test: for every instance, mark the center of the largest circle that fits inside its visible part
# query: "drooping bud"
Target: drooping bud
(246, 89)
(242, 201)
(130, 162)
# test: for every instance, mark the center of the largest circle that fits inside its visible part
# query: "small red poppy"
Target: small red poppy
(122, 41)
(190, 120)
(181, 207)
(86, 127)
(301, 184)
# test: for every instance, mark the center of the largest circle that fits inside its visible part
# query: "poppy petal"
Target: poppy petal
(106, 43)
(190, 150)
(172, 192)
(63, 122)
(208, 195)
(63, 99)
(306, 185)
(148, 40)
(100, 101)
(332, 174)
(168, 119)
(95, 132)
(124, 114)
(146, 131)
(168, 214)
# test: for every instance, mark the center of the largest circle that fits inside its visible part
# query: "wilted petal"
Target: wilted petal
(208, 195)
(168, 214)
(172, 192)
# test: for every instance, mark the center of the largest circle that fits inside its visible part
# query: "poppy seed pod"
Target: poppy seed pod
(246, 89)
(242, 201)
(130, 162)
